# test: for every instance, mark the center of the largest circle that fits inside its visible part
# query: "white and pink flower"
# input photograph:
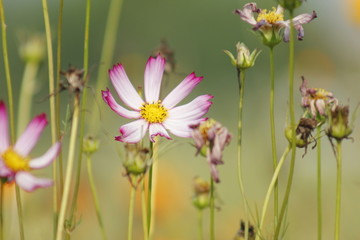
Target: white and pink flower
(154, 114)
(15, 163)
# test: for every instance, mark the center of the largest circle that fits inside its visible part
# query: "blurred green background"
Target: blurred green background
(198, 31)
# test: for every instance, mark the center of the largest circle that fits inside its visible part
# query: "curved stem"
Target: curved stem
(292, 123)
(200, 224)
(271, 188)
(338, 189)
(319, 198)
(95, 197)
(212, 209)
(69, 169)
(241, 82)
(131, 213)
(273, 137)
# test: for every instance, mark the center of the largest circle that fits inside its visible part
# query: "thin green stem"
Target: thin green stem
(241, 82)
(200, 224)
(69, 169)
(338, 189)
(212, 209)
(292, 123)
(271, 188)
(149, 197)
(319, 198)
(107, 53)
(143, 208)
(273, 137)
(95, 197)
(83, 107)
(1, 210)
(131, 212)
(11, 109)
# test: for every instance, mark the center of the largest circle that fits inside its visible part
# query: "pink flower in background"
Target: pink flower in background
(210, 139)
(15, 163)
(154, 114)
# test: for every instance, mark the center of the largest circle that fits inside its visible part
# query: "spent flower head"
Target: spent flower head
(338, 123)
(316, 100)
(210, 139)
(154, 114)
(271, 23)
(244, 59)
(201, 197)
(15, 162)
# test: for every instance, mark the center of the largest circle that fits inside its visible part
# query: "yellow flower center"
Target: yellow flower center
(205, 126)
(154, 112)
(320, 94)
(270, 16)
(14, 161)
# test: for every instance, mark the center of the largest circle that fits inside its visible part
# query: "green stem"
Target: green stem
(150, 181)
(200, 224)
(20, 214)
(319, 199)
(83, 107)
(143, 208)
(107, 53)
(95, 197)
(241, 82)
(338, 189)
(271, 188)
(131, 213)
(273, 137)
(212, 209)
(1, 209)
(69, 169)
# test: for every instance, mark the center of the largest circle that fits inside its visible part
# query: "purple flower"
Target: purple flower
(15, 163)
(270, 23)
(210, 139)
(154, 114)
(316, 99)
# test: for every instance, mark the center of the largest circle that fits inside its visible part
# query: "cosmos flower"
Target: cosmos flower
(316, 99)
(270, 23)
(154, 114)
(15, 163)
(210, 139)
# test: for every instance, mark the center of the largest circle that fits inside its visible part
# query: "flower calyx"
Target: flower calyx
(244, 58)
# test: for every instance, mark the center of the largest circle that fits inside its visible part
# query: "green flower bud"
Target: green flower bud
(201, 199)
(32, 50)
(338, 124)
(90, 145)
(290, 4)
(136, 159)
(244, 59)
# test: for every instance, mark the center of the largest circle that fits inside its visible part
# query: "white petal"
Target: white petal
(124, 88)
(47, 158)
(193, 110)
(247, 14)
(4, 131)
(29, 183)
(181, 91)
(157, 129)
(133, 132)
(31, 135)
(180, 128)
(304, 18)
(109, 100)
(152, 78)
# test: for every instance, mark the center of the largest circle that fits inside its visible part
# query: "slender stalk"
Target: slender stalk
(150, 183)
(143, 208)
(319, 198)
(1, 210)
(131, 212)
(69, 169)
(241, 82)
(271, 188)
(292, 123)
(338, 189)
(107, 53)
(95, 197)
(273, 137)
(53, 116)
(200, 224)
(212, 209)
(83, 107)
(11, 109)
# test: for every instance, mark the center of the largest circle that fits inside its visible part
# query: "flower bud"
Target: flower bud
(135, 159)
(290, 4)
(338, 124)
(32, 50)
(201, 198)
(244, 59)
(90, 145)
